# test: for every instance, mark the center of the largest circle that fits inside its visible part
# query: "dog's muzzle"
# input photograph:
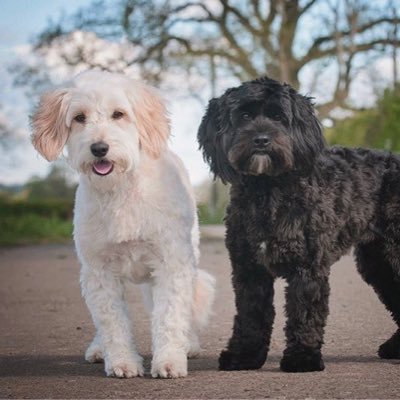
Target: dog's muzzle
(102, 166)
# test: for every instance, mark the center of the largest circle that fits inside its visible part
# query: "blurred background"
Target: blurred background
(344, 53)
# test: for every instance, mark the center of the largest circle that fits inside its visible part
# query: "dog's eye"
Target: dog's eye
(81, 118)
(117, 115)
(245, 116)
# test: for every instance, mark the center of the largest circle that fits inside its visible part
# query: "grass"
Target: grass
(33, 229)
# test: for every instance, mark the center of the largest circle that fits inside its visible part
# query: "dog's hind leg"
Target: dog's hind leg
(385, 280)
(307, 297)
(203, 299)
(94, 353)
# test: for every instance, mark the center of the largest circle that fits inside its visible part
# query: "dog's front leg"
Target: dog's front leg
(172, 296)
(307, 297)
(254, 292)
(104, 295)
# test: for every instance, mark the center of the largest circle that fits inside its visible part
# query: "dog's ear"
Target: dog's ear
(151, 119)
(49, 125)
(308, 139)
(211, 135)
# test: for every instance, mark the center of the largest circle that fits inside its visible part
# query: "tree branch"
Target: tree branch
(306, 7)
(243, 20)
(315, 51)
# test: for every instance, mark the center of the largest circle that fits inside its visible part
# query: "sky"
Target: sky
(20, 21)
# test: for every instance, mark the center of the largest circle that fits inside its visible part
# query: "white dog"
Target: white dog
(135, 218)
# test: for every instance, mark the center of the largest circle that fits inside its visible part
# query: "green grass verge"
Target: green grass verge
(33, 229)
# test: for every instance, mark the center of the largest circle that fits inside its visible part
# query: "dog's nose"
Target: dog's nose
(99, 149)
(261, 140)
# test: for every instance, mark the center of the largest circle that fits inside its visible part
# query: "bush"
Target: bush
(206, 217)
(53, 208)
(376, 128)
(31, 228)
(23, 222)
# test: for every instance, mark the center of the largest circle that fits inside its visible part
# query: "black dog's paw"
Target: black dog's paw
(302, 360)
(391, 348)
(230, 361)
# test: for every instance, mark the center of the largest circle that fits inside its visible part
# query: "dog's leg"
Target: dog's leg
(172, 295)
(254, 293)
(194, 344)
(307, 308)
(104, 296)
(94, 353)
(252, 327)
(203, 298)
(381, 275)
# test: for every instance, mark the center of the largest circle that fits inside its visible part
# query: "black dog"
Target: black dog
(296, 207)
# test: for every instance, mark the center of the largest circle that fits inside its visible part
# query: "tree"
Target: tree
(375, 128)
(245, 38)
(54, 186)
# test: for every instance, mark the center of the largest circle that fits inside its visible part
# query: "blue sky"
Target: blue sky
(20, 21)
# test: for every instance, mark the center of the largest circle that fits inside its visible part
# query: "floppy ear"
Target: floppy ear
(50, 130)
(152, 120)
(212, 140)
(308, 140)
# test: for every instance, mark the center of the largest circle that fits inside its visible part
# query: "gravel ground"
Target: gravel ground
(45, 327)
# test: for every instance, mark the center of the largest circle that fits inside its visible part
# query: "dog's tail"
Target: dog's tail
(203, 298)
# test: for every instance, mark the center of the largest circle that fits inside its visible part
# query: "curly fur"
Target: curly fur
(296, 207)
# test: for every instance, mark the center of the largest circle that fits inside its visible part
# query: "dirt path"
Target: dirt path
(45, 327)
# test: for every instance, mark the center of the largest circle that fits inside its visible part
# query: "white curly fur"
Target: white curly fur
(138, 223)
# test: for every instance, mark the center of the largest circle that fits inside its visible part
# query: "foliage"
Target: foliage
(207, 217)
(41, 211)
(32, 229)
(52, 208)
(24, 222)
(375, 128)
(54, 186)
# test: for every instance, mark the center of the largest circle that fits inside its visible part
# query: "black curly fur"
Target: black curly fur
(296, 207)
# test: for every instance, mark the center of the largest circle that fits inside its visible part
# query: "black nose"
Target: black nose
(261, 140)
(99, 149)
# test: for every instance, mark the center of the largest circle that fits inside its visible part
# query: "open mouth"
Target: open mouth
(102, 167)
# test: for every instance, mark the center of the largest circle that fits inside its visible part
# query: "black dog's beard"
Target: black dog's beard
(276, 159)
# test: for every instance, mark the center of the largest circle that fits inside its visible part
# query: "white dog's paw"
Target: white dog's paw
(125, 368)
(94, 353)
(169, 366)
(194, 352)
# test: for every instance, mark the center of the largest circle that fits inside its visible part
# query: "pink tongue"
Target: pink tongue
(102, 167)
